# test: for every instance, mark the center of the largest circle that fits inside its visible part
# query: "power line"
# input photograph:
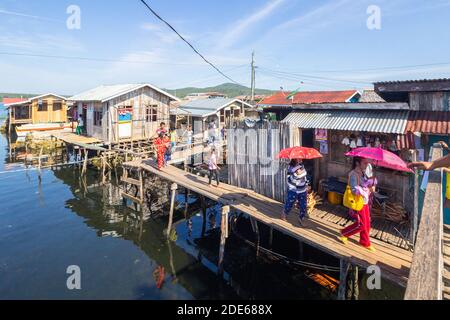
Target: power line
(37, 55)
(315, 83)
(298, 75)
(374, 69)
(304, 78)
(188, 43)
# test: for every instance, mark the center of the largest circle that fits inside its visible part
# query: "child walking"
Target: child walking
(213, 167)
(297, 183)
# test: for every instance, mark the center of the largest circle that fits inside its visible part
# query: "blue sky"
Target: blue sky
(315, 45)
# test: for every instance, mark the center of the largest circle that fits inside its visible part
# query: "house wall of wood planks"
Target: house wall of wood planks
(143, 125)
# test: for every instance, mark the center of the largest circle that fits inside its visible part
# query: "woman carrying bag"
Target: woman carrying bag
(356, 198)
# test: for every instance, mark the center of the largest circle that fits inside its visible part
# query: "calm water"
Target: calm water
(49, 225)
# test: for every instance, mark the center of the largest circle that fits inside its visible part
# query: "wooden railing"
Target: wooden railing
(425, 278)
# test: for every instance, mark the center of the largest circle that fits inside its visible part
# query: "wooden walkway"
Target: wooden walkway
(446, 273)
(80, 141)
(320, 233)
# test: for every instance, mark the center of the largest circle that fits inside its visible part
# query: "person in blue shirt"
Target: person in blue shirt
(297, 183)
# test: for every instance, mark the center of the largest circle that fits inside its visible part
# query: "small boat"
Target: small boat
(23, 130)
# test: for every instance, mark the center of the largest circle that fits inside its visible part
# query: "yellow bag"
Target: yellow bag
(447, 189)
(351, 201)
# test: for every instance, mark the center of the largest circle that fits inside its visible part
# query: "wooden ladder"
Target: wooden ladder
(128, 182)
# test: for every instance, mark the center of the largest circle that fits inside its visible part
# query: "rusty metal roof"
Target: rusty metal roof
(351, 120)
(429, 122)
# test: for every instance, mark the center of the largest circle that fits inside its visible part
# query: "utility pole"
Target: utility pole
(253, 77)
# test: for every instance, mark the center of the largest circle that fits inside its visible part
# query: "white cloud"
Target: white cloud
(28, 16)
(233, 35)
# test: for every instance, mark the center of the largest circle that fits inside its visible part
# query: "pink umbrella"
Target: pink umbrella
(382, 158)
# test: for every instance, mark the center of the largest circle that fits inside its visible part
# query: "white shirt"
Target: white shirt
(212, 165)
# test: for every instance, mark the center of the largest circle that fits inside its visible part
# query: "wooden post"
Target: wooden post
(86, 154)
(223, 237)
(301, 250)
(40, 162)
(141, 187)
(255, 228)
(103, 169)
(10, 122)
(173, 189)
(415, 217)
(271, 238)
(186, 202)
(344, 266)
(203, 205)
(352, 284)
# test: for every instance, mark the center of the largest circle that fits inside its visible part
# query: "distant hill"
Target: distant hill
(15, 95)
(230, 89)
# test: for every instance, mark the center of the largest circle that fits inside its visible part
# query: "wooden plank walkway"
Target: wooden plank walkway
(80, 141)
(446, 274)
(393, 261)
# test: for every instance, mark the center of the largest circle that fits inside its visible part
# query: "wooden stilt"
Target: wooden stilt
(103, 169)
(203, 206)
(344, 267)
(173, 190)
(271, 238)
(223, 237)
(40, 162)
(301, 250)
(86, 154)
(141, 187)
(352, 284)
(255, 228)
(186, 202)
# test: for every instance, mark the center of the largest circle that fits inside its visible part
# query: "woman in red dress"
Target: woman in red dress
(161, 144)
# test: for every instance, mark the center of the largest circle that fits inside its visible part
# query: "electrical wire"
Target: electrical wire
(188, 43)
(416, 66)
(37, 55)
(307, 76)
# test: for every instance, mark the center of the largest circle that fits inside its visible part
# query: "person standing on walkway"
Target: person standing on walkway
(173, 139)
(362, 217)
(297, 183)
(213, 167)
(161, 145)
(80, 126)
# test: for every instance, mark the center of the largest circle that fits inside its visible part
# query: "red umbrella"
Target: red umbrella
(299, 153)
(382, 158)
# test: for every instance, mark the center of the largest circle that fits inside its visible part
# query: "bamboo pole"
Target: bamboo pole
(86, 154)
(173, 189)
(344, 267)
(223, 237)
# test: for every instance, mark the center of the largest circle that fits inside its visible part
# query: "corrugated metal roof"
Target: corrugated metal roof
(347, 120)
(413, 81)
(429, 122)
(370, 96)
(105, 93)
(206, 107)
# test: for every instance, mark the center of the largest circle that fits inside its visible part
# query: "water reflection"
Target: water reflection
(129, 257)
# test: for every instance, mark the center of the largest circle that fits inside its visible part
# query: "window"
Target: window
(151, 113)
(98, 115)
(57, 106)
(43, 106)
